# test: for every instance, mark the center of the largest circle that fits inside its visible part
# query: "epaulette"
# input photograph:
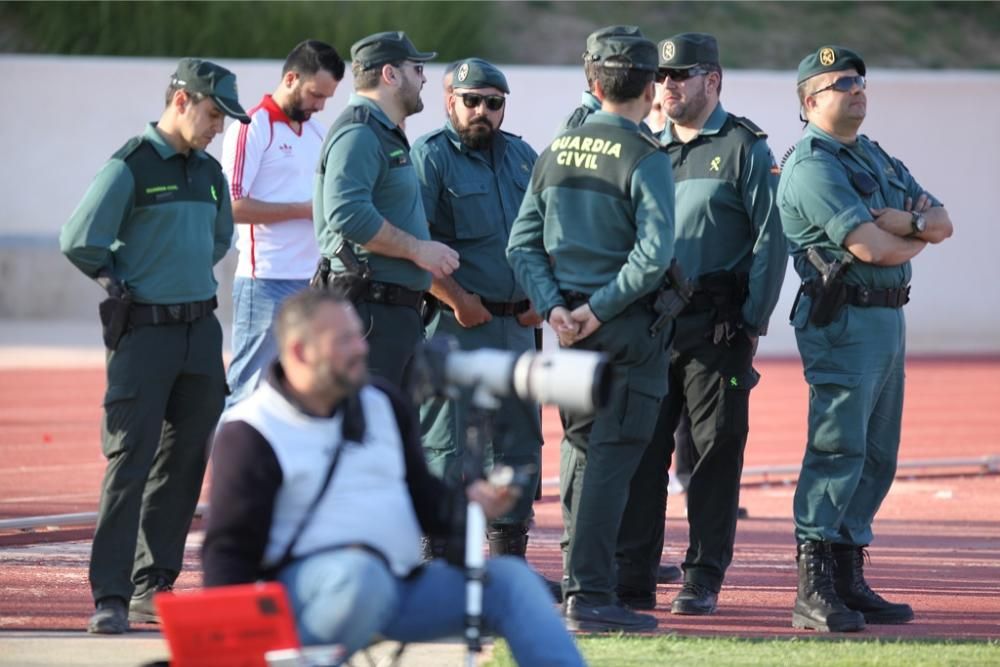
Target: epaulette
(130, 147)
(361, 114)
(823, 144)
(652, 142)
(511, 134)
(576, 118)
(751, 126)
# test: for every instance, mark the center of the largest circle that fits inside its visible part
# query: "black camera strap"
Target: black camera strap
(286, 557)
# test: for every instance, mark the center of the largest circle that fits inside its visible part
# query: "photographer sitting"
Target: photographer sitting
(319, 481)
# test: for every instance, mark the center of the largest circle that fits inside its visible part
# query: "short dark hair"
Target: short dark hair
(621, 84)
(367, 79)
(591, 68)
(312, 56)
(174, 87)
(713, 67)
(300, 308)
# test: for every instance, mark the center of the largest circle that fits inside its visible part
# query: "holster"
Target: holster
(827, 300)
(672, 298)
(321, 279)
(114, 312)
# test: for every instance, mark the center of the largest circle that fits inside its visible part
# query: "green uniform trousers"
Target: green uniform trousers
(854, 367)
(166, 387)
(393, 333)
(599, 453)
(714, 382)
(517, 428)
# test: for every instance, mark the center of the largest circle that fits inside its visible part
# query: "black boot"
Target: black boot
(433, 547)
(508, 539)
(817, 606)
(512, 540)
(850, 585)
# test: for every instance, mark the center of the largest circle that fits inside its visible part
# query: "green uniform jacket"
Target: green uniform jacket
(727, 215)
(471, 204)
(599, 218)
(366, 176)
(821, 204)
(157, 219)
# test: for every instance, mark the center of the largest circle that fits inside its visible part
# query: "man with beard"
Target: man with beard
(729, 240)
(269, 164)
(367, 205)
(473, 177)
(319, 482)
(151, 226)
(591, 245)
(854, 217)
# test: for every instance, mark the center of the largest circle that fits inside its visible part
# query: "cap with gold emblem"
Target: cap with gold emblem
(477, 73)
(687, 50)
(829, 59)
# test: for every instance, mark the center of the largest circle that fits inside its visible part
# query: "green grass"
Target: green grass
(620, 651)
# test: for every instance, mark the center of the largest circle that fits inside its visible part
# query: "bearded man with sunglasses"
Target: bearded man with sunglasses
(729, 240)
(854, 218)
(473, 177)
(367, 206)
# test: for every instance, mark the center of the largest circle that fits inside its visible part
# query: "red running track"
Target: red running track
(937, 544)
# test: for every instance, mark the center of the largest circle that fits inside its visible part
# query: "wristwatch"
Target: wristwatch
(918, 223)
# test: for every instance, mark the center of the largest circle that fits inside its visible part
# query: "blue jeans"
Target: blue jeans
(348, 596)
(255, 303)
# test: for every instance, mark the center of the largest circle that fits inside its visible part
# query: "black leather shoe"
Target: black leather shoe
(583, 617)
(694, 600)
(668, 573)
(141, 608)
(111, 617)
(637, 599)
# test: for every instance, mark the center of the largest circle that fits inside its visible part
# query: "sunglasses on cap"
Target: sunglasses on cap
(844, 84)
(679, 74)
(473, 100)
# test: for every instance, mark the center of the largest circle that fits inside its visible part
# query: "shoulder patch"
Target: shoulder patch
(130, 147)
(750, 125)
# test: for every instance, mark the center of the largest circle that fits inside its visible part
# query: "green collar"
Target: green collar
(163, 147)
(376, 110)
(713, 124)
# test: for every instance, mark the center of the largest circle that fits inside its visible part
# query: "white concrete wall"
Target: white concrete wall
(64, 116)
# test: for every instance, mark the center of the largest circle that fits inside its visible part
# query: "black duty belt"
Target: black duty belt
(142, 314)
(869, 297)
(865, 297)
(501, 308)
(392, 295)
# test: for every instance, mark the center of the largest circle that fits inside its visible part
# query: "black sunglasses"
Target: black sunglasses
(679, 74)
(473, 100)
(844, 84)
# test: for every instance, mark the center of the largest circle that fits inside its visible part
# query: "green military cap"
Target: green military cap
(477, 73)
(625, 52)
(829, 59)
(688, 49)
(595, 38)
(201, 76)
(387, 47)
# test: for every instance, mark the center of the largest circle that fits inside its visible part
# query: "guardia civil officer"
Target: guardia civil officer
(473, 176)
(729, 239)
(854, 217)
(153, 223)
(590, 102)
(367, 207)
(591, 245)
